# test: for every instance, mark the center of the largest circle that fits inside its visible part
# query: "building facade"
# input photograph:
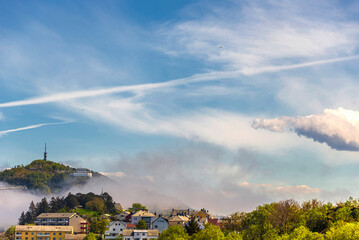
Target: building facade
(115, 229)
(33, 232)
(145, 216)
(79, 224)
(139, 234)
(160, 224)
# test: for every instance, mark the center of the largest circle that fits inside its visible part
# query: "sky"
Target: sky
(218, 105)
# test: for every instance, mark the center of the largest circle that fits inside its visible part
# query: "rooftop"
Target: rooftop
(37, 228)
(56, 215)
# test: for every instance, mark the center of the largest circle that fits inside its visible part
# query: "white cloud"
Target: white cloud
(286, 190)
(257, 38)
(4, 132)
(339, 128)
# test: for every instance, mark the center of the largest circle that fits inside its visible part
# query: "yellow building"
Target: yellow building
(33, 232)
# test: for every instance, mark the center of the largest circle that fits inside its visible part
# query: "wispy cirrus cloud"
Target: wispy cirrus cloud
(4, 132)
(338, 128)
(256, 38)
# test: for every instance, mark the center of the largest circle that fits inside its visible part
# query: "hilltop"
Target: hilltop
(44, 176)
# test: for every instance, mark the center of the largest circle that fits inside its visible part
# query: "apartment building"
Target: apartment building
(33, 232)
(79, 224)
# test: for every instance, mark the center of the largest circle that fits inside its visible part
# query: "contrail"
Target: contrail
(211, 76)
(29, 127)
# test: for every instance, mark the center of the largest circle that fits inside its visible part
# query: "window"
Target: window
(26, 233)
(54, 233)
(32, 238)
(60, 233)
(54, 238)
(32, 233)
(60, 238)
(26, 238)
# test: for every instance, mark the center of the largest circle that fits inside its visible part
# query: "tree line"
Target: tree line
(99, 203)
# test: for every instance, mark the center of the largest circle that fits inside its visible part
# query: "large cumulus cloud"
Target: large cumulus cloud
(339, 128)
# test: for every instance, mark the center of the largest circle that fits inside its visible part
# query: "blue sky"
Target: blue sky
(238, 102)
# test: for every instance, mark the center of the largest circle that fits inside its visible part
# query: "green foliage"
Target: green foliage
(210, 232)
(174, 233)
(96, 204)
(99, 226)
(234, 236)
(346, 231)
(45, 176)
(141, 225)
(90, 236)
(137, 207)
(302, 233)
(192, 226)
(10, 233)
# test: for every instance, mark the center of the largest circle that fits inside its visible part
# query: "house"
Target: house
(79, 224)
(115, 229)
(82, 172)
(145, 216)
(34, 232)
(177, 220)
(130, 226)
(160, 224)
(180, 212)
(122, 216)
(139, 234)
(203, 216)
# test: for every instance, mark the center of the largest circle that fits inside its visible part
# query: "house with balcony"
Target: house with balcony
(33, 232)
(79, 224)
(145, 216)
(115, 229)
(139, 234)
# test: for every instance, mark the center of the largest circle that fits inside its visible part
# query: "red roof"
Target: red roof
(214, 221)
(130, 226)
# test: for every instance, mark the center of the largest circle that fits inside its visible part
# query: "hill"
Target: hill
(44, 176)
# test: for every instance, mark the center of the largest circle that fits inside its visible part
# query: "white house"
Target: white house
(139, 234)
(115, 229)
(160, 224)
(145, 216)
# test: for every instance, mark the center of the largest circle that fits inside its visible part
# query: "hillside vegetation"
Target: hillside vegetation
(44, 176)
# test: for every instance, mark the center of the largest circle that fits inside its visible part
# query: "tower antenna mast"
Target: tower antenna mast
(45, 153)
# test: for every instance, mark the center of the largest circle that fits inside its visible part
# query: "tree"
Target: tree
(137, 207)
(174, 233)
(96, 204)
(99, 226)
(141, 225)
(234, 236)
(42, 207)
(71, 201)
(192, 226)
(285, 215)
(22, 219)
(346, 231)
(56, 204)
(10, 233)
(90, 236)
(210, 232)
(302, 233)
